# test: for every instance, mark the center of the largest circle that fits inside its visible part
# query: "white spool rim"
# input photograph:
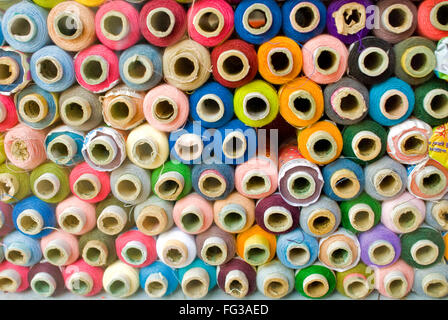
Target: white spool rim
(214, 251)
(189, 147)
(153, 29)
(440, 110)
(57, 252)
(286, 53)
(169, 185)
(9, 186)
(25, 23)
(362, 217)
(212, 184)
(315, 285)
(18, 254)
(102, 150)
(62, 149)
(275, 286)
(128, 187)
(175, 253)
(396, 284)
(87, 65)
(236, 284)
(156, 285)
(380, 63)
(332, 253)
(30, 222)
(195, 283)
(277, 219)
(262, 253)
(325, 155)
(232, 218)
(95, 253)
(234, 150)
(120, 110)
(83, 107)
(366, 152)
(63, 17)
(350, 184)
(340, 19)
(427, 66)
(267, 13)
(210, 113)
(164, 109)
(13, 70)
(229, 75)
(124, 285)
(440, 213)
(152, 220)
(435, 285)
(356, 287)
(191, 219)
(301, 177)
(138, 77)
(298, 254)
(433, 16)
(87, 186)
(387, 182)
(185, 76)
(334, 63)
(134, 253)
(80, 283)
(203, 32)
(10, 280)
(381, 252)
(435, 187)
(28, 105)
(47, 186)
(259, 113)
(256, 182)
(321, 222)
(112, 220)
(352, 109)
(140, 151)
(72, 220)
(43, 284)
(406, 217)
(424, 252)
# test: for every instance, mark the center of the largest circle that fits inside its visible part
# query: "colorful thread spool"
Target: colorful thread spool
(213, 181)
(91, 3)
(60, 248)
(237, 278)
(427, 180)
(15, 183)
(49, 182)
(136, 249)
(176, 248)
(83, 279)
(120, 280)
(197, 279)
(256, 246)
(297, 249)
(47, 4)
(193, 214)
(89, 184)
(234, 214)
(339, 251)
(360, 214)
(315, 282)
(274, 280)
(431, 21)
(33, 217)
(21, 250)
(18, 64)
(75, 216)
(431, 102)
(63, 146)
(437, 214)
(431, 282)
(275, 215)
(346, 180)
(380, 247)
(13, 278)
(186, 144)
(154, 216)
(215, 246)
(46, 280)
(172, 181)
(158, 280)
(112, 216)
(6, 222)
(321, 218)
(8, 116)
(355, 283)
(97, 249)
(394, 281)
(403, 214)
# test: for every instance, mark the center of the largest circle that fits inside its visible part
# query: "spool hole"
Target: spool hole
(442, 15)
(169, 187)
(280, 61)
(6, 284)
(45, 187)
(388, 184)
(407, 220)
(212, 184)
(191, 222)
(233, 220)
(418, 61)
(426, 255)
(213, 253)
(344, 185)
(150, 223)
(393, 105)
(298, 256)
(210, 108)
(432, 181)
(275, 288)
(195, 287)
(302, 105)
(93, 254)
(366, 146)
(436, 289)
(255, 184)
(234, 147)
(361, 220)
(322, 148)
(67, 26)
(109, 223)
(80, 287)
(28, 224)
(208, 22)
(326, 60)
(20, 27)
(373, 61)
(256, 107)
(382, 253)
(42, 287)
(113, 25)
(183, 67)
(164, 110)
(5, 189)
(174, 255)
(352, 17)
(59, 150)
(277, 220)
(301, 185)
(144, 152)
(119, 110)
(236, 288)
(233, 65)
(5, 71)
(155, 288)
(356, 289)
(70, 222)
(134, 255)
(55, 255)
(321, 223)
(413, 144)
(48, 69)
(316, 289)
(397, 17)
(85, 188)
(257, 19)
(349, 103)
(117, 287)
(93, 70)
(31, 109)
(16, 257)
(439, 103)
(136, 69)
(339, 256)
(160, 21)
(127, 188)
(304, 17)
(256, 254)
(100, 152)
(397, 287)
(74, 112)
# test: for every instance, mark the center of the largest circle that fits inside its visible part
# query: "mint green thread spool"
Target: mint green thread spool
(315, 282)
(360, 214)
(50, 183)
(171, 181)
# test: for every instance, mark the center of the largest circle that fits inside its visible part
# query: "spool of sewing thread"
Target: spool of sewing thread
(33, 217)
(97, 68)
(296, 249)
(141, 67)
(210, 23)
(356, 282)
(49, 182)
(360, 214)
(89, 184)
(91, 3)
(403, 214)
(112, 216)
(394, 281)
(237, 278)
(83, 279)
(24, 26)
(415, 60)
(431, 282)
(422, 248)
(324, 64)
(97, 249)
(80, 109)
(75, 216)
(21, 250)
(186, 65)
(275, 215)
(8, 114)
(215, 246)
(158, 280)
(120, 280)
(163, 22)
(256, 246)
(116, 25)
(18, 76)
(431, 102)
(130, 183)
(6, 222)
(346, 180)
(321, 218)
(13, 278)
(303, 19)
(14, 183)
(428, 180)
(176, 248)
(346, 101)
(197, 279)
(46, 280)
(274, 280)
(60, 248)
(63, 146)
(187, 144)
(315, 282)
(147, 147)
(320, 143)
(193, 214)
(154, 216)
(397, 20)
(213, 181)
(380, 247)
(234, 214)
(136, 249)
(172, 181)
(234, 63)
(432, 22)
(71, 26)
(256, 21)
(385, 179)
(339, 251)
(437, 214)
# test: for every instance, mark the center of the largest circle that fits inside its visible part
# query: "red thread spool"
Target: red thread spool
(8, 114)
(13, 278)
(83, 279)
(136, 249)
(88, 184)
(432, 17)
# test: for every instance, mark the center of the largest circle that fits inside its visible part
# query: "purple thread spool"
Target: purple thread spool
(380, 247)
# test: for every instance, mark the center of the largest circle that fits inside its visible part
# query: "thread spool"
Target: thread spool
(432, 15)
(215, 246)
(80, 109)
(147, 147)
(186, 144)
(397, 20)
(274, 280)
(315, 282)
(427, 180)
(176, 248)
(380, 247)
(296, 249)
(437, 214)
(97, 249)
(49, 182)
(186, 65)
(33, 217)
(360, 214)
(8, 114)
(163, 23)
(385, 179)
(197, 279)
(91, 3)
(128, 183)
(276, 216)
(237, 278)
(60, 248)
(346, 180)
(172, 181)
(120, 280)
(394, 281)
(75, 216)
(21, 250)
(89, 184)
(112, 216)
(321, 218)
(324, 64)
(403, 214)
(13, 278)
(47, 4)
(116, 25)
(46, 280)
(97, 68)
(339, 251)
(431, 102)
(422, 248)
(256, 246)
(83, 279)
(234, 214)
(15, 183)
(6, 222)
(213, 181)
(158, 280)
(136, 249)
(154, 216)
(355, 283)
(431, 282)
(193, 214)
(17, 65)
(63, 146)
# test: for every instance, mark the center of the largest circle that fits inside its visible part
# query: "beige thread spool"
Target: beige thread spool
(112, 220)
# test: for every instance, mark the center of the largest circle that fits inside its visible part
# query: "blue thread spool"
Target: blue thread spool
(197, 279)
(158, 280)
(213, 181)
(63, 146)
(186, 144)
(344, 180)
(296, 249)
(22, 250)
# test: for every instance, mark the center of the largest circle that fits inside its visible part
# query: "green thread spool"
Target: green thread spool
(422, 248)
(50, 183)
(360, 214)
(2, 149)
(97, 249)
(113, 216)
(315, 282)
(431, 102)
(14, 183)
(355, 283)
(171, 181)
(364, 142)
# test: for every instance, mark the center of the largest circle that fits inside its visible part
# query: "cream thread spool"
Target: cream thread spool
(306, 9)
(57, 252)
(156, 22)
(120, 280)
(438, 11)
(9, 186)
(435, 103)
(435, 285)
(214, 251)
(95, 253)
(72, 220)
(75, 111)
(112, 220)
(275, 286)
(30, 222)
(305, 110)
(10, 280)
(322, 146)
(390, 15)
(185, 67)
(326, 60)
(114, 25)
(395, 284)
(424, 252)
(234, 145)
(256, 106)
(102, 150)
(256, 182)
(49, 70)
(356, 286)
(47, 186)
(394, 104)
(212, 184)
(94, 70)
(169, 185)
(257, 9)
(345, 27)
(233, 65)
(9, 70)
(22, 28)
(210, 108)
(195, 283)
(80, 283)
(366, 145)
(87, 186)
(349, 103)
(236, 284)
(189, 147)
(65, 19)
(232, 218)
(277, 219)
(301, 185)
(315, 285)
(62, 149)
(361, 217)
(128, 187)
(387, 182)
(43, 280)
(33, 108)
(406, 217)
(175, 253)
(156, 285)
(205, 22)
(120, 110)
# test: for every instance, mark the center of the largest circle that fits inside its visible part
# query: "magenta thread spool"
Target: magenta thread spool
(136, 249)
(83, 279)
(237, 278)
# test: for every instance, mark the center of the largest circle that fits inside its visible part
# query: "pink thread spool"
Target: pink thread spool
(60, 248)
(88, 184)
(193, 214)
(83, 279)
(403, 214)
(136, 249)
(6, 223)
(394, 281)
(8, 114)
(75, 216)
(97, 68)
(13, 278)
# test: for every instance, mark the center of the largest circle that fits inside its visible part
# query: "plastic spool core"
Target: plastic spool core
(152, 220)
(348, 103)
(321, 146)
(121, 110)
(72, 220)
(208, 22)
(128, 187)
(234, 145)
(387, 183)
(10, 280)
(236, 284)
(68, 25)
(440, 213)
(191, 219)
(275, 286)
(134, 253)
(43, 284)
(302, 104)
(212, 184)
(394, 104)
(233, 65)
(340, 254)
(301, 185)
(214, 251)
(75, 111)
(80, 283)
(438, 16)
(321, 222)
(22, 28)
(94, 69)
(315, 285)
(396, 284)
(431, 181)
(356, 287)
(114, 25)
(210, 108)
(195, 283)
(9, 186)
(87, 186)
(435, 103)
(175, 253)
(9, 70)
(33, 108)
(95, 253)
(257, 19)
(47, 186)
(304, 17)
(169, 185)
(381, 252)
(112, 220)
(138, 69)
(189, 147)
(424, 252)
(350, 18)
(435, 285)
(418, 61)
(30, 222)
(232, 218)
(164, 109)
(62, 149)
(160, 22)
(345, 183)
(326, 60)
(280, 61)
(397, 18)
(406, 217)
(145, 152)
(156, 285)
(362, 217)
(298, 254)
(49, 70)
(366, 145)
(373, 61)
(277, 219)
(256, 106)
(57, 252)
